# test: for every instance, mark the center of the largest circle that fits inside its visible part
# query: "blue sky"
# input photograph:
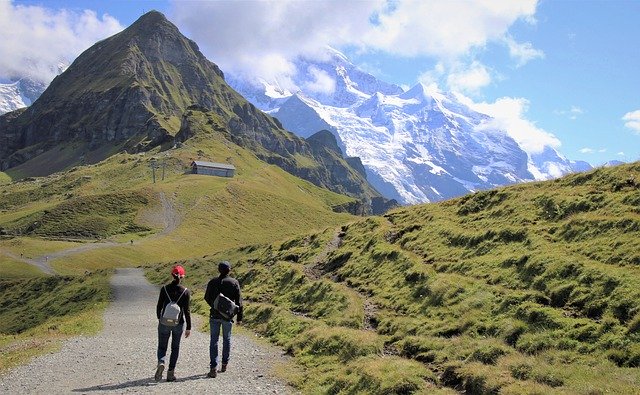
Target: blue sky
(563, 72)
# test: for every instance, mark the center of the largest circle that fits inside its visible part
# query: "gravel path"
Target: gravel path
(122, 359)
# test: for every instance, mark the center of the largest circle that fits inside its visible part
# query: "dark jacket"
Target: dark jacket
(175, 290)
(229, 287)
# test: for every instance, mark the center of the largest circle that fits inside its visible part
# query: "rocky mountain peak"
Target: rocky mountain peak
(148, 86)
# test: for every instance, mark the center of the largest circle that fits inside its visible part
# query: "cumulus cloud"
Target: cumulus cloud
(632, 121)
(321, 83)
(36, 39)
(509, 114)
(240, 35)
(444, 28)
(523, 53)
(469, 79)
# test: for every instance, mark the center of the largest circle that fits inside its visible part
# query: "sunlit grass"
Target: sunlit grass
(517, 291)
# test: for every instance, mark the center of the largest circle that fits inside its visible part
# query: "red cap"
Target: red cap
(177, 271)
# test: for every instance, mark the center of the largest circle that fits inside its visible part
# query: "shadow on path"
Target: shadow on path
(144, 383)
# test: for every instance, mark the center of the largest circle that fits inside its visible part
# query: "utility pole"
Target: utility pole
(154, 165)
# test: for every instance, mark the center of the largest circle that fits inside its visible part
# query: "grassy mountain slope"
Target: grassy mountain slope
(183, 215)
(115, 202)
(532, 288)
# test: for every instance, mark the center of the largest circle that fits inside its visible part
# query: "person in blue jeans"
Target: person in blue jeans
(229, 287)
(177, 293)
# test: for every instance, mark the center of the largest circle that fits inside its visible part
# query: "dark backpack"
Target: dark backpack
(171, 313)
(225, 306)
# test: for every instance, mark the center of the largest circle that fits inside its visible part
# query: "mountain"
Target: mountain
(612, 163)
(416, 146)
(19, 94)
(22, 91)
(140, 90)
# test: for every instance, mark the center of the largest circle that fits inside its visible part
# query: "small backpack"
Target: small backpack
(225, 306)
(171, 313)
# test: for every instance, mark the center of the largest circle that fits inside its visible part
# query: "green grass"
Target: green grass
(4, 178)
(38, 313)
(262, 203)
(532, 288)
(11, 268)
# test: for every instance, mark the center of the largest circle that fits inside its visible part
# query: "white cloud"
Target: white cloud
(523, 53)
(572, 113)
(238, 35)
(445, 29)
(36, 39)
(509, 114)
(632, 121)
(468, 79)
(434, 75)
(621, 153)
(322, 82)
(587, 150)
(457, 76)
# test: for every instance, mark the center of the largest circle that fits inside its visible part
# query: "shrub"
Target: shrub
(391, 375)
(345, 344)
(532, 343)
(488, 353)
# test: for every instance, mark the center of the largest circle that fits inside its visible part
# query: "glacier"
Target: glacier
(420, 145)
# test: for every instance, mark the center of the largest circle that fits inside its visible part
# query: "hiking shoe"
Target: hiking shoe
(159, 371)
(223, 368)
(171, 375)
(212, 373)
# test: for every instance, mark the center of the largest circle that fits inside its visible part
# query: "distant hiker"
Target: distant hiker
(223, 290)
(131, 241)
(172, 312)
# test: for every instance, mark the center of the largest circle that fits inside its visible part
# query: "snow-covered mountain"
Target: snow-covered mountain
(19, 94)
(417, 146)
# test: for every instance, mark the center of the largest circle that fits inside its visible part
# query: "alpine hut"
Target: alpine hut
(212, 168)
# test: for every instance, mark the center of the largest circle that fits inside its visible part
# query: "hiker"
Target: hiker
(229, 287)
(172, 326)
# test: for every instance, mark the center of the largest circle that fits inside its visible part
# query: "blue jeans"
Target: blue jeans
(164, 332)
(215, 324)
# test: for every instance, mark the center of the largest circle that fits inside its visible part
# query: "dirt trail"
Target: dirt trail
(170, 218)
(122, 358)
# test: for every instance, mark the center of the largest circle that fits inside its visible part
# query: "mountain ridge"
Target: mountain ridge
(437, 147)
(135, 90)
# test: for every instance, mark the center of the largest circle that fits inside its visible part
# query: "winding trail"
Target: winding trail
(122, 358)
(170, 218)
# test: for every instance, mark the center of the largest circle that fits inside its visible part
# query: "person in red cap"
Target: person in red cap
(173, 292)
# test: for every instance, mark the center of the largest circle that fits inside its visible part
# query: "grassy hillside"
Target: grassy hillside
(38, 312)
(4, 178)
(84, 219)
(527, 289)
(179, 216)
